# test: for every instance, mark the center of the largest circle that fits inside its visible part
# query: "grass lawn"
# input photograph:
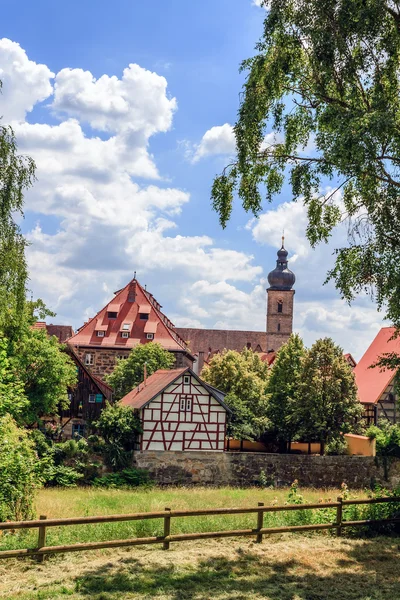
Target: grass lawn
(283, 567)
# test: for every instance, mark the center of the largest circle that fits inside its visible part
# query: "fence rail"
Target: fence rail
(43, 523)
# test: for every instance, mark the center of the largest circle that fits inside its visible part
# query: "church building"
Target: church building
(204, 343)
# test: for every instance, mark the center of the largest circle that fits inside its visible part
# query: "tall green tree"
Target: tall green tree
(283, 390)
(129, 372)
(243, 377)
(17, 173)
(326, 81)
(45, 371)
(328, 404)
(13, 400)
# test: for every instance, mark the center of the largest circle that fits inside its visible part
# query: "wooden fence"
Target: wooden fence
(43, 523)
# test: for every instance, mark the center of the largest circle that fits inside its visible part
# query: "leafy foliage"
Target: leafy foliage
(18, 476)
(118, 426)
(129, 373)
(283, 389)
(12, 397)
(387, 438)
(45, 371)
(16, 175)
(243, 377)
(126, 478)
(326, 78)
(329, 405)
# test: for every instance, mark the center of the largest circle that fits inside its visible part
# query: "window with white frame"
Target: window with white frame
(185, 402)
(100, 333)
(186, 379)
(125, 334)
(150, 336)
(89, 358)
(92, 398)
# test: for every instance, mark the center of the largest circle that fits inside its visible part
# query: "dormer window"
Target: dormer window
(143, 316)
(112, 314)
(125, 334)
(100, 333)
(149, 336)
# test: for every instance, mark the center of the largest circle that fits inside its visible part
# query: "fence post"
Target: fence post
(42, 538)
(339, 516)
(260, 521)
(167, 529)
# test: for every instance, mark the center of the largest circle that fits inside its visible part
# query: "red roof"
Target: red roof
(62, 332)
(141, 314)
(372, 383)
(157, 382)
(212, 341)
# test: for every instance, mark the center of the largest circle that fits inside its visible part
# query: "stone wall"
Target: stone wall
(104, 359)
(243, 469)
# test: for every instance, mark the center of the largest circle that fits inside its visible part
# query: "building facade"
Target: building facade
(131, 318)
(180, 412)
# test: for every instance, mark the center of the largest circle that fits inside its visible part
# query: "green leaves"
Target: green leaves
(129, 373)
(118, 426)
(243, 377)
(326, 81)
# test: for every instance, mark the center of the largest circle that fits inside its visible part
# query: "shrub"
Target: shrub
(387, 438)
(63, 476)
(118, 426)
(18, 475)
(125, 478)
(337, 446)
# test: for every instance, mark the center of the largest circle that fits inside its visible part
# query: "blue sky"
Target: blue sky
(126, 156)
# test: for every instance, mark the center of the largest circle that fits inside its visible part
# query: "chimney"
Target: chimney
(201, 362)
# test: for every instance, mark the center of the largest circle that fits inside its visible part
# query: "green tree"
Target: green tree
(17, 173)
(18, 477)
(129, 372)
(45, 371)
(13, 400)
(328, 404)
(283, 390)
(119, 427)
(326, 81)
(243, 377)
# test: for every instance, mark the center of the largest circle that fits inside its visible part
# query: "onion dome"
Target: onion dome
(281, 278)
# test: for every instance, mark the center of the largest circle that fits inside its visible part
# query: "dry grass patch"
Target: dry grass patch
(281, 568)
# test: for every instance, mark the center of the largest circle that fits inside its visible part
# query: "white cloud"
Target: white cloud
(108, 223)
(136, 102)
(33, 82)
(215, 141)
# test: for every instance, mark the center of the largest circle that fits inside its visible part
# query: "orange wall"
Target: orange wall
(247, 446)
(360, 444)
(303, 447)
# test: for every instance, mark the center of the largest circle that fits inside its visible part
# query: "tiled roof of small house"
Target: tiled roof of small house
(352, 361)
(159, 381)
(155, 384)
(133, 311)
(212, 341)
(372, 383)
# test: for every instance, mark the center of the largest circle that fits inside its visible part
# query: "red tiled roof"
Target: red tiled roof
(372, 383)
(211, 341)
(129, 312)
(157, 382)
(39, 325)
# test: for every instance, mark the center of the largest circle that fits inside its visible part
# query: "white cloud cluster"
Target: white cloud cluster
(108, 223)
(217, 140)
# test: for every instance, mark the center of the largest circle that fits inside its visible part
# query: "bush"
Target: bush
(119, 427)
(337, 446)
(62, 476)
(18, 474)
(125, 478)
(387, 438)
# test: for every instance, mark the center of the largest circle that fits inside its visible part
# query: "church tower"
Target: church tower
(280, 297)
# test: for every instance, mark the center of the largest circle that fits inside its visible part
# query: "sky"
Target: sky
(127, 109)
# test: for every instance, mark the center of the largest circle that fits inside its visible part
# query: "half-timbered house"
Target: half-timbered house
(376, 389)
(179, 412)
